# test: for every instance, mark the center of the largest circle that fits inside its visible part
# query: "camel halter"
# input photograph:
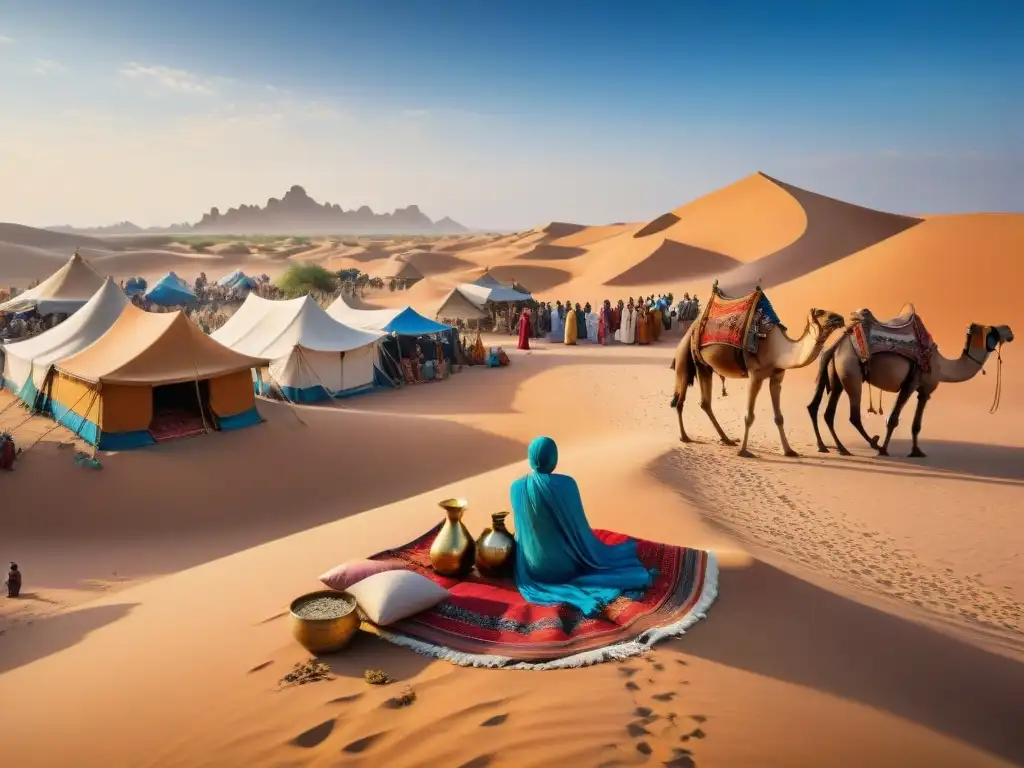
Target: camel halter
(998, 396)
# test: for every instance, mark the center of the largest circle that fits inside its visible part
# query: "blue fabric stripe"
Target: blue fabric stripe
(125, 441)
(80, 425)
(354, 391)
(241, 420)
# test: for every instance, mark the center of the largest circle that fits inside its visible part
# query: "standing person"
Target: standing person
(571, 328)
(581, 323)
(534, 324)
(524, 328)
(605, 323)
(13, 582)
(643, 324)
(654, 318)
(591, 319)
(557, 322)
(617, 319)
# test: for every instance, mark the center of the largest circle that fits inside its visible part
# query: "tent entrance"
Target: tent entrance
(180, 410)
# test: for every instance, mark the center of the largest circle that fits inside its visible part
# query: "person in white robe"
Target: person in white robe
(628, 327)
(557, 322)
(591, 320)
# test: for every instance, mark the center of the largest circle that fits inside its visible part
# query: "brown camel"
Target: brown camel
(776, 354)
(840, 370)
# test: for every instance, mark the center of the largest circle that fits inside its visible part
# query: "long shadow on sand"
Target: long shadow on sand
(51, 634)
(771, 623)
(946, 460)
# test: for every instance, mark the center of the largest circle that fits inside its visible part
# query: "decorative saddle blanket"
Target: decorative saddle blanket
(740, 323)
(906, 336)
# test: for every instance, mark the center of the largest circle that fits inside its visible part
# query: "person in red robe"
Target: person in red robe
(524, 329)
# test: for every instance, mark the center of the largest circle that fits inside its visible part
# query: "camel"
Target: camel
(840, 370)
(776, 354)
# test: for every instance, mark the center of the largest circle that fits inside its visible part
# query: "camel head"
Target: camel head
(985, 339)
(824, 323)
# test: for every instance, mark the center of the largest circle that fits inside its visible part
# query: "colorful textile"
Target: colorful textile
(487, 622)
(912, 341)
(727, 321)
(525, 330)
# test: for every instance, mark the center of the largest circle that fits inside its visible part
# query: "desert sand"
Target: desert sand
(870, 610)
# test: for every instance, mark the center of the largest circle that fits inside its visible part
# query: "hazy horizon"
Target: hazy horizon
(500, 116)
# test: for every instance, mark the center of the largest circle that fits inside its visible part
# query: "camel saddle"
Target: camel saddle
(740, 323)
(903, 335)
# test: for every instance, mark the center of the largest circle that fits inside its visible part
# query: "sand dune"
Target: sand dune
(871, 611)
(21, 264)
(18, 234)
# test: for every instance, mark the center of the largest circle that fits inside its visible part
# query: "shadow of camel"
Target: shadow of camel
(776, 625)
(821, 243)
(946, 460)
(51, 634)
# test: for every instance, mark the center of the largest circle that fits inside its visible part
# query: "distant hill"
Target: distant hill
(60, 241)
(294, 214)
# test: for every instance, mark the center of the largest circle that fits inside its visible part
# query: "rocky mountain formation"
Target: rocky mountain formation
(294, 214)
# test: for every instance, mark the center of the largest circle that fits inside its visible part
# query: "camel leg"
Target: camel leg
(812, 410)
(724, 393)
(748, 419)
(683, 386)
(706, 377)
(923, 396)
(775, 389)
(853, 391)
(835, 393)
(894, 415)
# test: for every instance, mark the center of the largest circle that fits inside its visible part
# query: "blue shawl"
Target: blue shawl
(559, 560)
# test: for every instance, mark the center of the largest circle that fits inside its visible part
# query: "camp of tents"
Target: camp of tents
(312, 355)
(120, 377)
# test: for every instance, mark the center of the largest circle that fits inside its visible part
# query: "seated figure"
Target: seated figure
(559, 559)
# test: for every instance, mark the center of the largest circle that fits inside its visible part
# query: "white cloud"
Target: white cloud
(5, 40)
(172, 79)
(47, 67)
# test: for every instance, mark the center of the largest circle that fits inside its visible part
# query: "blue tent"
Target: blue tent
(409, 322)
(237, 279)
(170, 291)
(134, 286)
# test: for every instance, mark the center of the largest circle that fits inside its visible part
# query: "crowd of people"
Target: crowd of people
(634, 321)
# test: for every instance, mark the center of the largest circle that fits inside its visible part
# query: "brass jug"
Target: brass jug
(453, 552)
(496, 549)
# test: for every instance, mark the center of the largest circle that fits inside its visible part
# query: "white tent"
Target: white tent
(404, 321)
(65, 291)
(27, 362)
(313, 356)
(487, 289)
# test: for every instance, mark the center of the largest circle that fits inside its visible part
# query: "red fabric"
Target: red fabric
(489, 616)
(524, 331)
(726, 320)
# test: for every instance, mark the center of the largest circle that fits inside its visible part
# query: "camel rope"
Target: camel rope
(998, 396)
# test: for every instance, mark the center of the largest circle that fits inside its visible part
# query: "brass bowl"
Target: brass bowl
(319, 636)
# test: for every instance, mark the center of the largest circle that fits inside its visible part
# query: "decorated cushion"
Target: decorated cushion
(343, 576)
(395, 595)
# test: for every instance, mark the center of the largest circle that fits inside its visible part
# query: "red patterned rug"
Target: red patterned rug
(175, 425)
(487, 623)
(727, 320)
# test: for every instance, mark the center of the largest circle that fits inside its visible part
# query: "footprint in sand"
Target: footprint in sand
(479, 762)
(636, 730)
(664, 696)
(644, 748)
(314, 736)
(631, 686)
(493, 721)
(363, 744)
(258, 667)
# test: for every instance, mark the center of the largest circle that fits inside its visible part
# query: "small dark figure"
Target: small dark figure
(13, 581)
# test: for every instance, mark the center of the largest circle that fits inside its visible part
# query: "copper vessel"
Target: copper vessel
(496, 549)
(453, 552)
(320, 636)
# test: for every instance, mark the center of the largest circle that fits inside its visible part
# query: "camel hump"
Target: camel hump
(905, 317)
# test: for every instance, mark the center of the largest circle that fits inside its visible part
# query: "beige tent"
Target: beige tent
(146, 377)
(65, 291)
(457, 306)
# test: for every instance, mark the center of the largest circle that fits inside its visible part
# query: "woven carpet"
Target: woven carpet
(487, 623)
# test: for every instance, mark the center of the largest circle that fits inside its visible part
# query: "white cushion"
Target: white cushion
(395, 595)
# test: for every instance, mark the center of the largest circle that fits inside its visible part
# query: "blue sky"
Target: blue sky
(503, 114)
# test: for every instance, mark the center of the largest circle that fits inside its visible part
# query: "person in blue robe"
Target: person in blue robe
(581, 323)
(559, 560)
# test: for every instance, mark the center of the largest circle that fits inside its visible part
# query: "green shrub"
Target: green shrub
(301, 279)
